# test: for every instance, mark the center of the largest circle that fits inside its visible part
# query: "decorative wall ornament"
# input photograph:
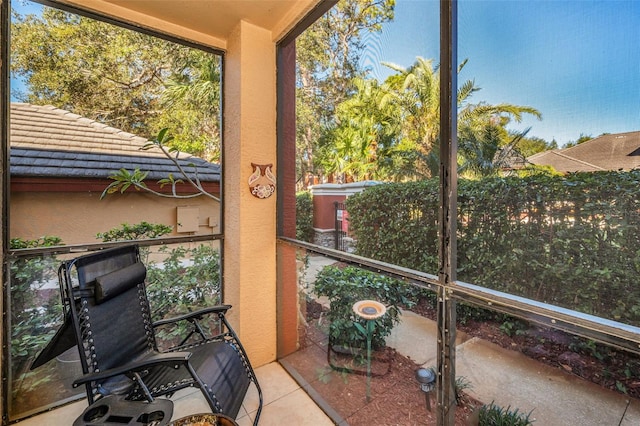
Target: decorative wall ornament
(262, 182)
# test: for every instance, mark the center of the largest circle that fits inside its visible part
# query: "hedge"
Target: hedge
(573, 240)
(304, 216)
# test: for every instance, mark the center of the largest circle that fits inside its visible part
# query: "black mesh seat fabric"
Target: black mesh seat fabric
(104, 297)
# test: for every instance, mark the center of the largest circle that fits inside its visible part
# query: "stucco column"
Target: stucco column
(249, 222)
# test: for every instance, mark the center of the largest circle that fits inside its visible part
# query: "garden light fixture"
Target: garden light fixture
(426, 377)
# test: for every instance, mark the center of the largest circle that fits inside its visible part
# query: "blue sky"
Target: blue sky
(576, 61)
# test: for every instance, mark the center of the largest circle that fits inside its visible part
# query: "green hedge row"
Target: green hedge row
(572, 241)
(304, 216)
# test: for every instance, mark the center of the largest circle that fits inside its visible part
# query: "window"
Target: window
(551, 250)
(88, 112)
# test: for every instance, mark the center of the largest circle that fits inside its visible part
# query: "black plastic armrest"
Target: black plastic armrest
(163, 358)
(196, 314)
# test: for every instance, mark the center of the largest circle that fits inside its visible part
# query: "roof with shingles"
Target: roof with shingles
(50, 142)
(608, 152)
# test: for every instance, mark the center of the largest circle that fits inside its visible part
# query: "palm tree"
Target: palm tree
(483, 152)
(391, 131)
(415, 92)
(353, 147)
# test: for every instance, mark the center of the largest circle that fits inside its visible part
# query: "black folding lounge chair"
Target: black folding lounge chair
(106, 307)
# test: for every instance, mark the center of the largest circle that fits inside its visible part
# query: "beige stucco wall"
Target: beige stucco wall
(250, 223)
(78, 216)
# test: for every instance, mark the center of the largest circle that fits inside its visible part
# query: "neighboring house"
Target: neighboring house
(620, 151)
(60, 163)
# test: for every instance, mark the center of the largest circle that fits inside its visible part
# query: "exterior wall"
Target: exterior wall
(250, 223)
(324, 212)
(77, 217)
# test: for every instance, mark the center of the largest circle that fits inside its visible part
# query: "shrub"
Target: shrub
(176, 286)
(304, 216)
(126, 232)
(186, 280)
(344, 287)
(31, 318)
(522, 236)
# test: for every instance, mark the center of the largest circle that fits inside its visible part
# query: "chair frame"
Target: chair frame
(76, 291)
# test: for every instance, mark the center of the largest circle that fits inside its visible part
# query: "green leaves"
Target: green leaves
(124, 179)
(346, 286)
(390, 131)
(495, 415)
(169, 180)
(567, 240)
(126, 232)
(128, 80)
(304, 216)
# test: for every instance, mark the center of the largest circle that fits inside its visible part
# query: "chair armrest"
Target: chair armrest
(160, 358)
(196, 314)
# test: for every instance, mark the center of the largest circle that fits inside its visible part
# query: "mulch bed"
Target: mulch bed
(396, 398)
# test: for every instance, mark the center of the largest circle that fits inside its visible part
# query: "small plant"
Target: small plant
(494, 415)
(461, 384)
(621, 387)
(589, 347)
(344, 287)
(513, 327)
(303, 266)
(126, 232)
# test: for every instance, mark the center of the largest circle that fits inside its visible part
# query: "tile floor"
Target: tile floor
(285, 403)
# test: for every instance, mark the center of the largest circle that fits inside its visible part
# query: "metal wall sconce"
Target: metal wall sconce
(262, 182)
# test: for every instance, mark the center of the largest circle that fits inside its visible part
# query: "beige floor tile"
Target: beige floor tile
(275, 383)
(293, 409)
(284, 404)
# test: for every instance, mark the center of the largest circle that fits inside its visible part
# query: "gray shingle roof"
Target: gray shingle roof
(608, 152)
(51, 142)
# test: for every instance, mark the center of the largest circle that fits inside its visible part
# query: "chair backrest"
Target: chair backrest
(111, 312)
